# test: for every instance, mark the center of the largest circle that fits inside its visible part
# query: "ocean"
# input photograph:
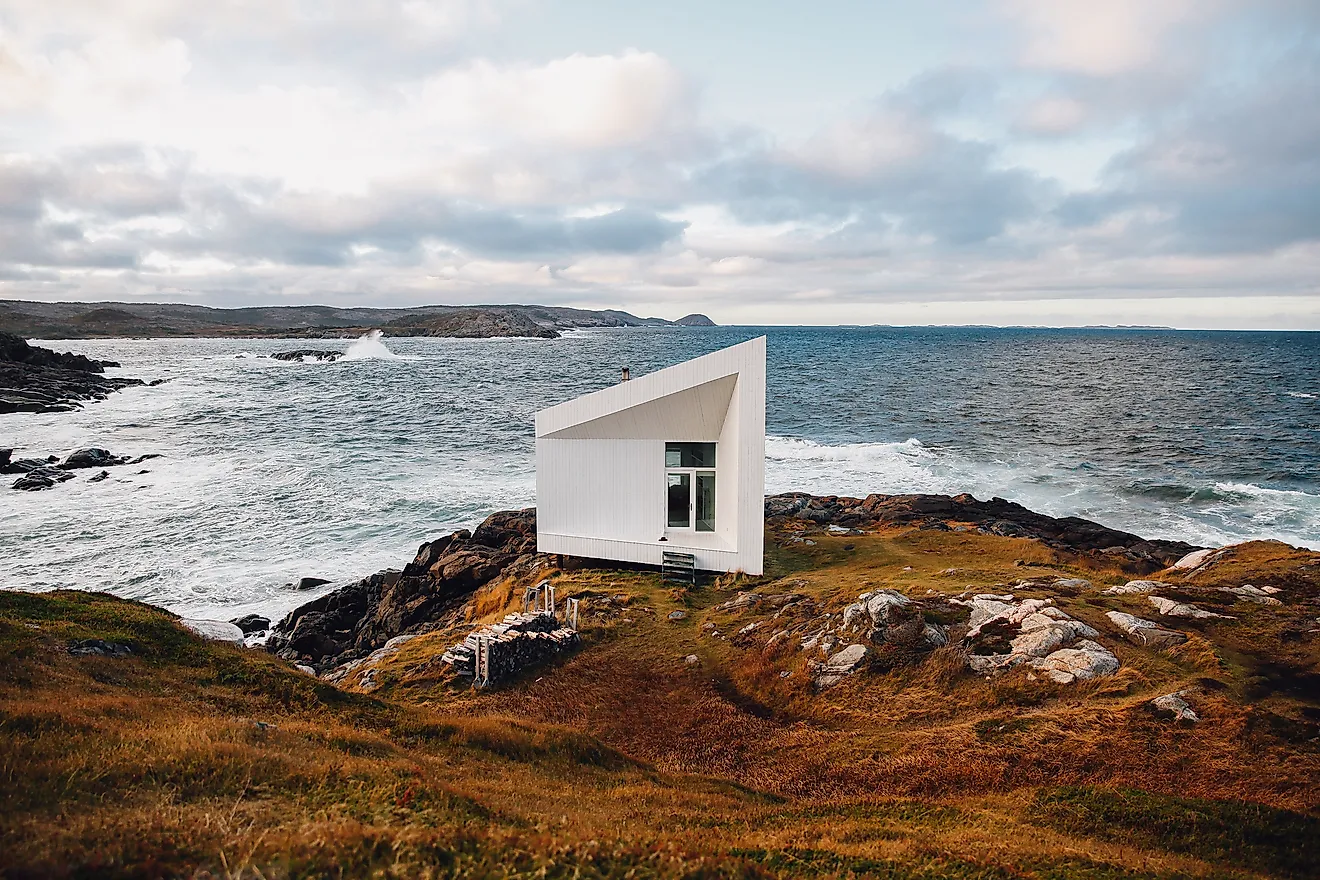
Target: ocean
(272, 471)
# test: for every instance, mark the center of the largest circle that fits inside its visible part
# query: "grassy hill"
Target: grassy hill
(690, 747)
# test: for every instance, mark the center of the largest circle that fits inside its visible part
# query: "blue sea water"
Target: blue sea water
(274, 470)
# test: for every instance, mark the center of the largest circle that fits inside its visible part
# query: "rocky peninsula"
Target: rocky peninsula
(34, 379)
(919, 686)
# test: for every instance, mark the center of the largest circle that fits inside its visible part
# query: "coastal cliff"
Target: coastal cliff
(920, 686)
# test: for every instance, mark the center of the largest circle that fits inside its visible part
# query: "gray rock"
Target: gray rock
(840, 665)
(1085, 660)
(1175, 707)
(1146, 632)
(1072, 583)
(677, 615)
(98, 648)
(691, 659)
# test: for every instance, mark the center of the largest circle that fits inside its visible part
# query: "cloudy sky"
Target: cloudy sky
(762, 161)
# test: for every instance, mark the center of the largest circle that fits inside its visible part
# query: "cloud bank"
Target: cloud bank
(1124, 162)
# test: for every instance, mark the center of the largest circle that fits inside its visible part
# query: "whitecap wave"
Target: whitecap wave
(1301, 394)
(371, 348)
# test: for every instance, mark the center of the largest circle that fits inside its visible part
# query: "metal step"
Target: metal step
(679, 567)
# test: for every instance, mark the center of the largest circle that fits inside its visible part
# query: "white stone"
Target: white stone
(1134, 587)
(1085, 660)
(1195, 559)
(1073, 583)
(1248, 593)
(214, 630)
(1170, 608)
(691, 659)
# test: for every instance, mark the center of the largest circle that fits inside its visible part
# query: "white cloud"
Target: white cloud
(587, 102)
(1053, 115)
(1099, 37)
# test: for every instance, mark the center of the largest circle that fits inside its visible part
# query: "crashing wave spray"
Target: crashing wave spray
(370, 347)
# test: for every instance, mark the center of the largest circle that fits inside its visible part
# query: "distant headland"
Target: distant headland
(72, 320)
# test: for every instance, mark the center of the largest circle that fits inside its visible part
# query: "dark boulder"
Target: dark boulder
(251, 623)
(99, 477)
(41, 478)
(26, 465)
(311, 583)
(92, 458)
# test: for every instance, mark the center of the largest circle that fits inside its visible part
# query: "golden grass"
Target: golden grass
(626, 760)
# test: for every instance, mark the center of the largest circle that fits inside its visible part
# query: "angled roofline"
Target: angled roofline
(744, 356)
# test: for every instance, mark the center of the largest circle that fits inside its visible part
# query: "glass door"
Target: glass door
(680, 500)
(703, 501)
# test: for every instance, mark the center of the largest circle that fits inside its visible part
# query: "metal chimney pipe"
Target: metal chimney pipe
(626, 377)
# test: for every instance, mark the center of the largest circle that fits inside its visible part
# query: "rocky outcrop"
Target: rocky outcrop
(1004, 633)
(308, 354)
(695, 320)
(34, 379)
(44, 473)
(475, 323)
(352, 621)
(994, 517)
(887, 617)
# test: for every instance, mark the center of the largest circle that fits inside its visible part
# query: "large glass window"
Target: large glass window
(690, 455)
(690, 486)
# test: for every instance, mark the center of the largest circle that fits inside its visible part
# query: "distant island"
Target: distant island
(71, 320)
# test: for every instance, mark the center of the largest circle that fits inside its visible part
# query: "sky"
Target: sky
(1039, 162)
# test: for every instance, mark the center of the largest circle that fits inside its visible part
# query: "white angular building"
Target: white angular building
(670, 461)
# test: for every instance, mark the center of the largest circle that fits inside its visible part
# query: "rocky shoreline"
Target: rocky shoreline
(35, 379)
(432, 591)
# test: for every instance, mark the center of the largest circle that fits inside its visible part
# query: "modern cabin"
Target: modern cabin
(670, 461)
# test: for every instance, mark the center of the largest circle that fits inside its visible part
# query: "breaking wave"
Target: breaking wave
(371, 348)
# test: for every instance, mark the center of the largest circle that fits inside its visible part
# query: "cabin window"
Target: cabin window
(690, 486)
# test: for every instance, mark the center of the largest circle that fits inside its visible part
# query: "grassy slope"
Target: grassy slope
(625, 759)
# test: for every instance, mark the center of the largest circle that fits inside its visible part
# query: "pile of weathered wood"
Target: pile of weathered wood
(497, 652)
